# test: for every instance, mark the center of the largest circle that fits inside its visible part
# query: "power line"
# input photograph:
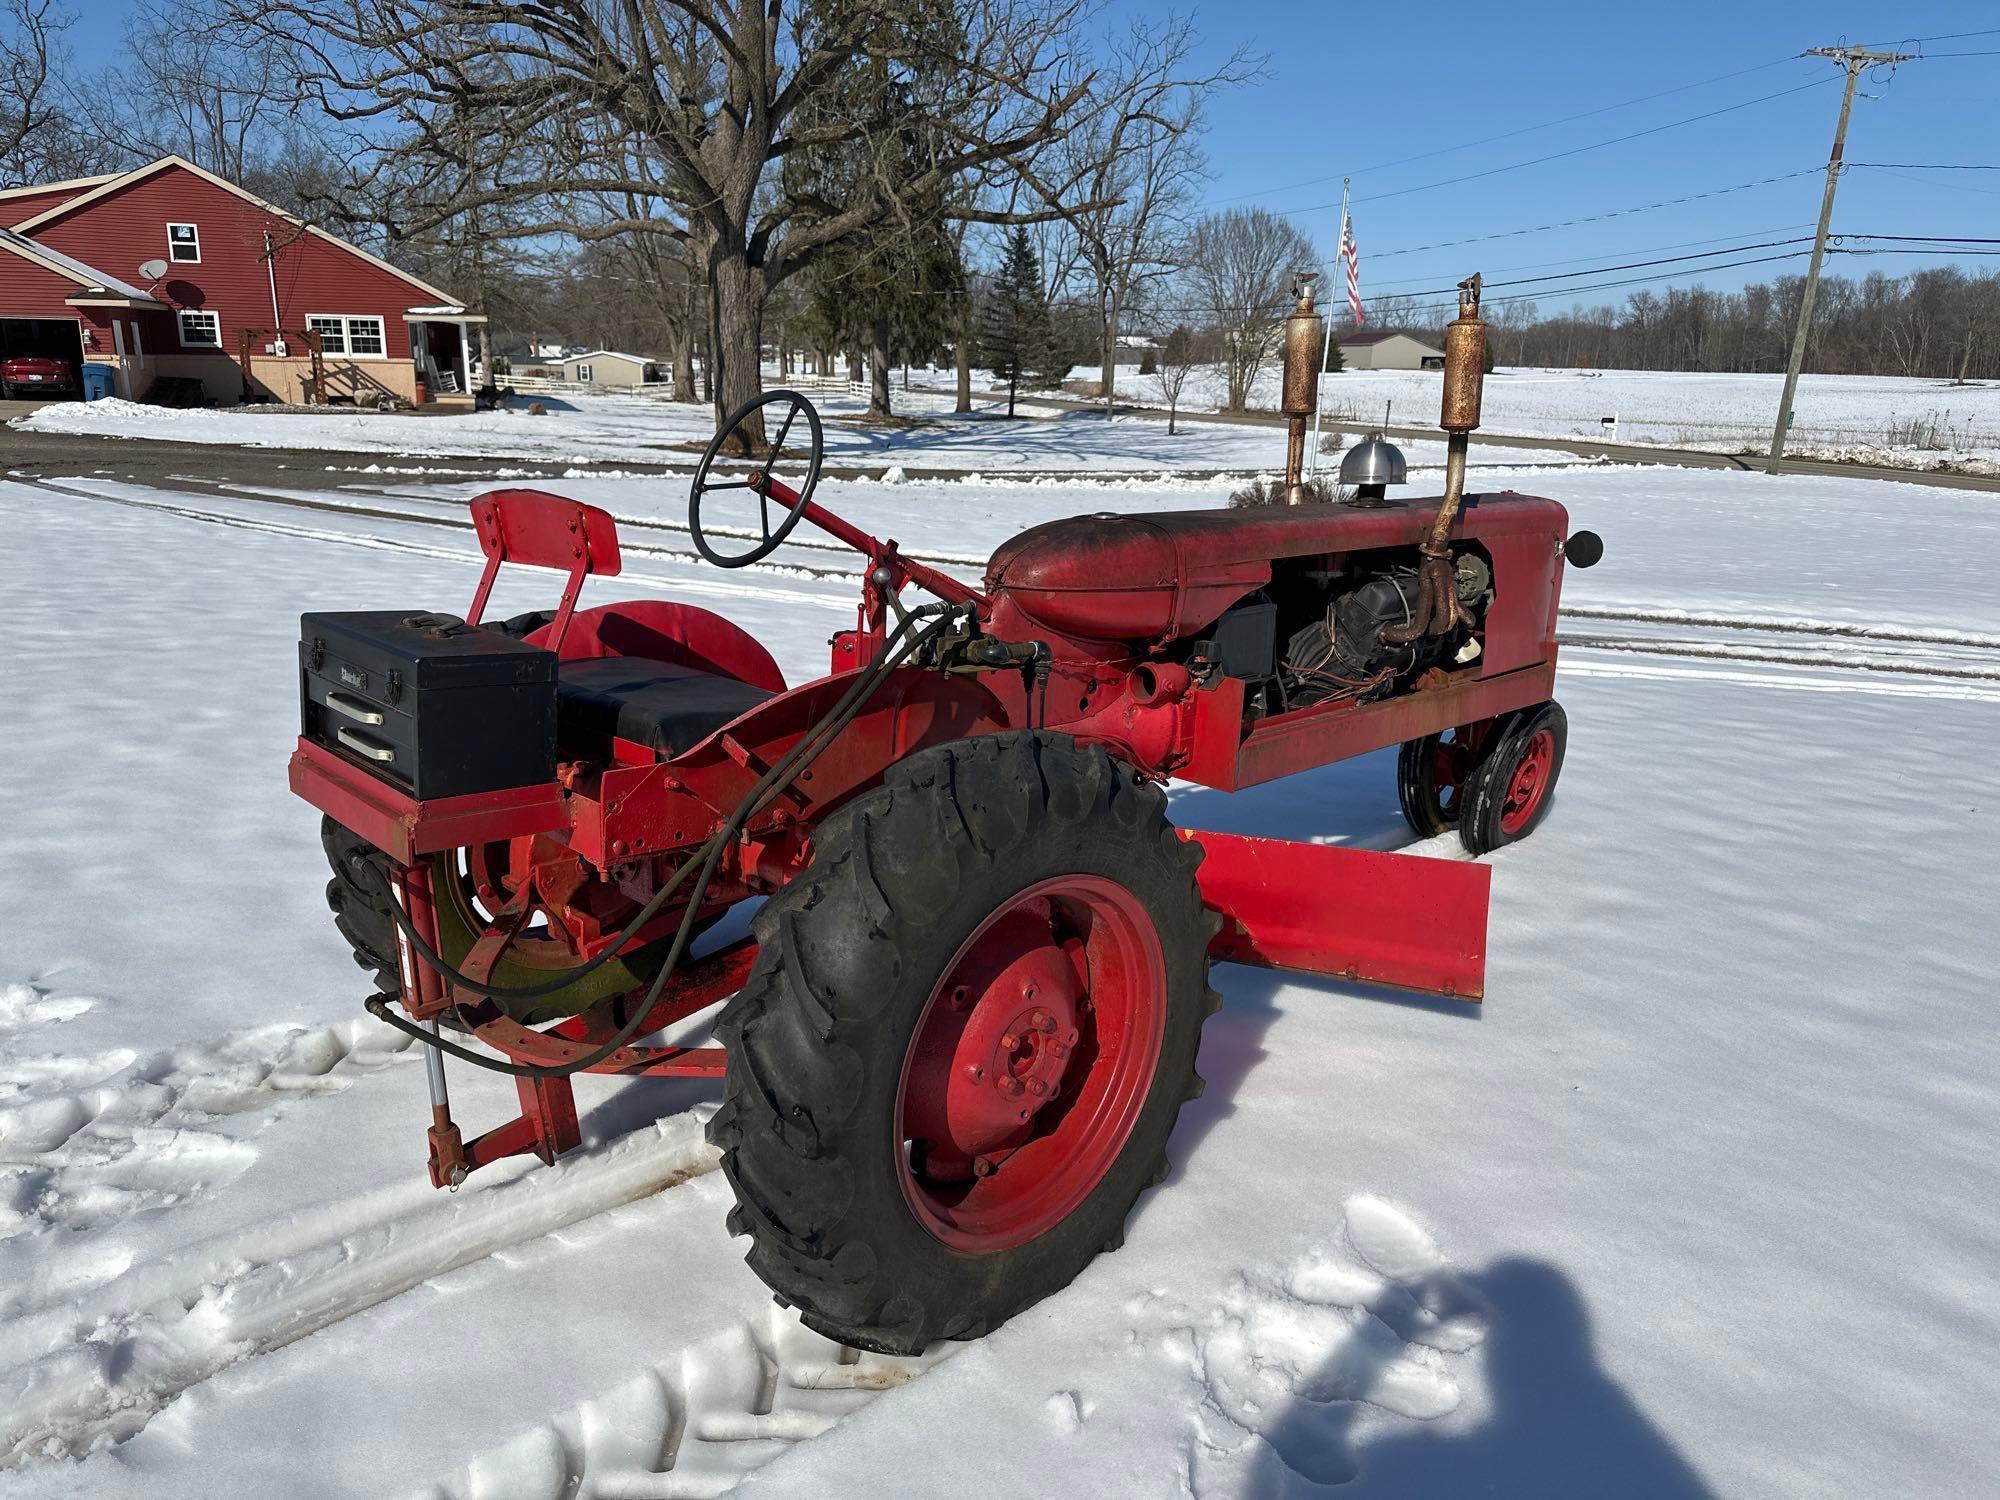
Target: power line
(1634, 265)
(1492, 139)
(1954, 187)
(1650, 249)
(1909, 250)
(1931, 166)
(1572, 151)
(1615, 213)
(1958, 239)
(1949, 36)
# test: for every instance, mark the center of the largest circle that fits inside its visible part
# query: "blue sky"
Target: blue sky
(1356, 89)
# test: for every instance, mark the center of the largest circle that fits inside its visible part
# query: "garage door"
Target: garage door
(57, 338)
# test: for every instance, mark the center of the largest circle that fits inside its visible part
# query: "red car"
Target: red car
(35, 375)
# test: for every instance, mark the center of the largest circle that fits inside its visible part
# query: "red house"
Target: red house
(163, 270)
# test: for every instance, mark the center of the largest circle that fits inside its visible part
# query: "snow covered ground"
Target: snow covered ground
(1862, 418)
(1699, 1203)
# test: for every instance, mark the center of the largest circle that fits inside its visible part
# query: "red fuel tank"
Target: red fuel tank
(1158, 577)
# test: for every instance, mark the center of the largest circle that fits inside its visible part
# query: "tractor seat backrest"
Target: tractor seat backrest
(546, 531)
(543, 531)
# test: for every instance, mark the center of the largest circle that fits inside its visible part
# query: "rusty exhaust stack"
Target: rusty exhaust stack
(1437, 609)
(1305, 332)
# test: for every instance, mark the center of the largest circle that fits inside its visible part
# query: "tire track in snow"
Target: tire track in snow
(1722, 651)
(627, 521)
(444, 554)
(1969, 641)
(1901, 665)
(692, 1426)
(1881, 683)
(97, 1367)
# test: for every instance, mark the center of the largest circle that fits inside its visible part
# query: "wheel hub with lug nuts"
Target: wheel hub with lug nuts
(1017, 993)
(1030, 1063)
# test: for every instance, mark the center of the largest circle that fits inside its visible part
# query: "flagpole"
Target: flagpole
(1326, 345)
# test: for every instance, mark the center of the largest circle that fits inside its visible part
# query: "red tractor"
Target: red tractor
(955, 1042)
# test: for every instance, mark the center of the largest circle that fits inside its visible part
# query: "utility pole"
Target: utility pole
(1854, 59)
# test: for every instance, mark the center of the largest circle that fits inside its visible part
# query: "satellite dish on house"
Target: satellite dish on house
(153, 270)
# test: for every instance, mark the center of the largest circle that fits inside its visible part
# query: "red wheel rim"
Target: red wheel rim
(1529, 783)
(1030, 1063)
(1446, 759)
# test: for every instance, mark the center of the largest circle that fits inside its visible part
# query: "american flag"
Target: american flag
(1351, 253)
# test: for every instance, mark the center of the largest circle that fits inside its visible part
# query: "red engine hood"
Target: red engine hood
(1160, 576)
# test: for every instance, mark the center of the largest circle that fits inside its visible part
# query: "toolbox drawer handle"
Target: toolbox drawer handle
(360, 744)
(354, 708)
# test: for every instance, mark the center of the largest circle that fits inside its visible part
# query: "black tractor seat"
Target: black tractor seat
(666, 708)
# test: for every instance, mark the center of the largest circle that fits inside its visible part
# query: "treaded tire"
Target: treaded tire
(850, 953)
(1417, 789)
(1482, 826)
(359, 902)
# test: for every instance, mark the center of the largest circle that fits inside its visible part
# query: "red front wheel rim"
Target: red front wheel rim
(1530, 782)
(1031, 1063)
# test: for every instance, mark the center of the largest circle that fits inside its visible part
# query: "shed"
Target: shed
(606, 367)
(1386, 349)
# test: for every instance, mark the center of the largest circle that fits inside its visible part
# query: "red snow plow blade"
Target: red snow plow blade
(1399, 920)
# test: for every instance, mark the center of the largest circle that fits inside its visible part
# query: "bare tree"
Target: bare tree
(186, 88)
(1124, 179)
(711, 94)
(30, 50)
(1180, 356)
(1240, 267)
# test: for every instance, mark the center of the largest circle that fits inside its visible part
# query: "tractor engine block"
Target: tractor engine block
(1341, 653)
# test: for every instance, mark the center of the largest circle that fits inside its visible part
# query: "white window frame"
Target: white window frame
(583, 374)
(180, 326)
(174, 259)
(347, 322)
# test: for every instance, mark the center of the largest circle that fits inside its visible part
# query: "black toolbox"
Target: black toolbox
(428, 703)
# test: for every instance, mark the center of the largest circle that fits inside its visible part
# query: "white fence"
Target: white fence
(549, 384)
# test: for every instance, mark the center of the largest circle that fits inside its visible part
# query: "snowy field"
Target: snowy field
(1865, 419)
(1698, 1203)
(1862, 418)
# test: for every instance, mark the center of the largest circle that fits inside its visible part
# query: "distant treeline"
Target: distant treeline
(1939, 322)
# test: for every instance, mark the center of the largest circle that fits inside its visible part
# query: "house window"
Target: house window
(583, 374)
(184, 244)
(362, 338)
(200, 330)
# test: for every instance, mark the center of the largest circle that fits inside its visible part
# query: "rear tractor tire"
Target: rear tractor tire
(358, 896)
(970, 1029)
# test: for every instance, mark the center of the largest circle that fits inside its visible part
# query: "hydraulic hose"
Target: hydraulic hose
(895, 650)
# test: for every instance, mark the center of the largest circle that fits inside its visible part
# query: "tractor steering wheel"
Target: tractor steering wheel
(757, 480)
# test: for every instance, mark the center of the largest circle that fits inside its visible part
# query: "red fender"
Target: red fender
(681, 634)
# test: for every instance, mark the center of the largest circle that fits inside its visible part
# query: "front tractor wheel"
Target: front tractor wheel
(1508, 795)
(1431, 774)
(971, 1027)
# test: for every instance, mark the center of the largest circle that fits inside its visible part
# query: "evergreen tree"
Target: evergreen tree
(1015, 337)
